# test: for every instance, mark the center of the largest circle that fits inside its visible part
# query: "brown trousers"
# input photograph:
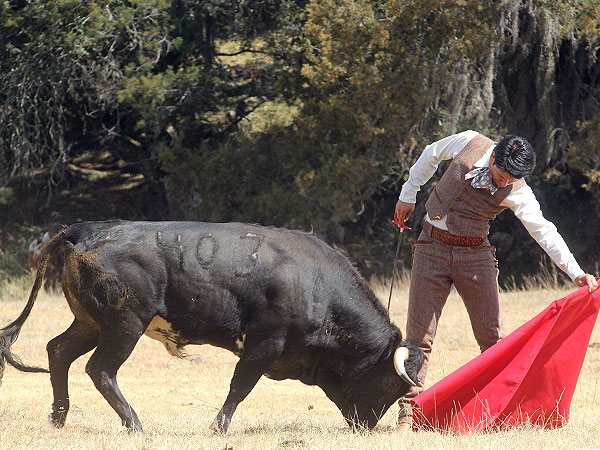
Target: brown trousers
(436, 267)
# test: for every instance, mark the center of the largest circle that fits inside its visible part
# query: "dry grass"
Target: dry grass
(176, 400)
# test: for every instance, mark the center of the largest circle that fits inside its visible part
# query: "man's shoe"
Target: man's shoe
(404, 427)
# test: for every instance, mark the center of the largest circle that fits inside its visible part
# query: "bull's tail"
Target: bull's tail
(10, 333)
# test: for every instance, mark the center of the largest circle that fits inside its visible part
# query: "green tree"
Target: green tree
(306, 114)
(57, 78)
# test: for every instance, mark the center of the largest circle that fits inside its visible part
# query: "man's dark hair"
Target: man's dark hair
(515, 155)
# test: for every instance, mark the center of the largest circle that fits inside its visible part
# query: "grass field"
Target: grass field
(176, 399)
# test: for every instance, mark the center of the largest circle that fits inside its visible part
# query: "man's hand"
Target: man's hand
(588, 279)
(404, 210)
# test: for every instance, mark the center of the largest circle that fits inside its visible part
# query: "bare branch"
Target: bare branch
(244, 50)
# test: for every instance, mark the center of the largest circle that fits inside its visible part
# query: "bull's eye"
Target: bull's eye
(392, 385)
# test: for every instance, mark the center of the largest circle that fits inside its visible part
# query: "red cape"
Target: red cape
(530, 375)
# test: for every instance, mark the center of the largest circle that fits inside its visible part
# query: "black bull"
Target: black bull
(283, 301)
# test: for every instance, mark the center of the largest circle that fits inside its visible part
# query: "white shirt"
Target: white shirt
(522, 201)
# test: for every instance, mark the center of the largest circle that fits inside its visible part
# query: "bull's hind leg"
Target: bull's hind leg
(62, 351)
(115, 344)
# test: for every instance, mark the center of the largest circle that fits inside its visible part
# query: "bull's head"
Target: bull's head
(365, 397)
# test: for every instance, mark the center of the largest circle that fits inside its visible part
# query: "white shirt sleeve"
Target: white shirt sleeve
(527, 209)
(428, 162)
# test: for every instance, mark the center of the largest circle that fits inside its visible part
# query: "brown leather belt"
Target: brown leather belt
(450, 239)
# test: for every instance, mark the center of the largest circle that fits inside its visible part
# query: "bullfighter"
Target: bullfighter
(483, 179)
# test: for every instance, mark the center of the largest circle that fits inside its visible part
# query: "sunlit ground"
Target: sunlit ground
(177, 399)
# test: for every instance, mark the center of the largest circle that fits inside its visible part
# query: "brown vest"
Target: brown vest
(469, 209)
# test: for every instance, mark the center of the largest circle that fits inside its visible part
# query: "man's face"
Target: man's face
(500, 177)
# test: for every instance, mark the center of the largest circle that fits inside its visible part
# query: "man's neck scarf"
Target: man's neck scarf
(482, 179)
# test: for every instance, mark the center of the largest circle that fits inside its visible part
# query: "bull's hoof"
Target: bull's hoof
(57, 418)
(219, 425)
(133, 427)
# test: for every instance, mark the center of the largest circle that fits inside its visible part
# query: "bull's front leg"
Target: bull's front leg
(245, 377)
(252, 365)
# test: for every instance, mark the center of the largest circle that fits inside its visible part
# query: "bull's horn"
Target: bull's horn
(400, 356)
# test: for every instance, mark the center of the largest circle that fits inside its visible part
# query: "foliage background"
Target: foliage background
(301, 114)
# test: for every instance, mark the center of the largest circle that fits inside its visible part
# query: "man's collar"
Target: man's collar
(484, 161)
(481, 178)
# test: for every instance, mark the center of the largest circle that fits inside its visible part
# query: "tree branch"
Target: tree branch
(244, 50)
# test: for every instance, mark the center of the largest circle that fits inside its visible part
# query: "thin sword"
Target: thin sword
(395, 273)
